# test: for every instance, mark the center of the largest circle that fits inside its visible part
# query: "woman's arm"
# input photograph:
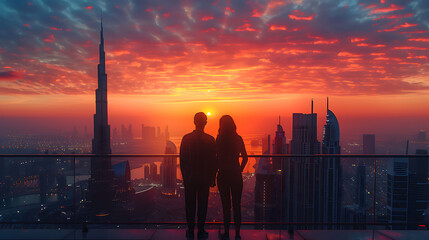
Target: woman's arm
(243, 154)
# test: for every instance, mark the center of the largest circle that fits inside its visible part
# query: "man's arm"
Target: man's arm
(243, 154)
(214, 166)
(184, 157)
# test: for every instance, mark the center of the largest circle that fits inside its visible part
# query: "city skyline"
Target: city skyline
(161, 74)
(376, 68)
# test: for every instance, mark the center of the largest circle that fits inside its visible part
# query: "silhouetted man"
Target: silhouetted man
(197, 163)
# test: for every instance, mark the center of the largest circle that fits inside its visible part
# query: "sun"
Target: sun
(208, 113)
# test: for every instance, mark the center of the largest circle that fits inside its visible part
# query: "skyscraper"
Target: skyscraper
(301, 176)
(146, 172)
(278, 190)
(418, 170)
(331, 187)
(268, 186)
(279, 147)
(407, 191)
(397, 192)
(266, 191)
(101, 189)
(169, 170)
(153, 172)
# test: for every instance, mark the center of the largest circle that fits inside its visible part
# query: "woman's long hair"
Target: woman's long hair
(227, 132)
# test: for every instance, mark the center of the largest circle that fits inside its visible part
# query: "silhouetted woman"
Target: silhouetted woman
(230, 183)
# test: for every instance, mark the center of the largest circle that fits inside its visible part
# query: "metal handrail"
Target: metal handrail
(250, 155)
(219, 223)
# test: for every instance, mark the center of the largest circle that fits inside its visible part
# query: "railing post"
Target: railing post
(74, 193)
(373, 200)
(281, 195)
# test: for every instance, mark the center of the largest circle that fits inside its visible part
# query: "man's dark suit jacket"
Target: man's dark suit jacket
(198, 158)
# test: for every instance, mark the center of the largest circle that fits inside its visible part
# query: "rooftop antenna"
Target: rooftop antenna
(327, 104)
(279, 119)
(311, 106)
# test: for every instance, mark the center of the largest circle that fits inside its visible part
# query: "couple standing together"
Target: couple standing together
(201, 158)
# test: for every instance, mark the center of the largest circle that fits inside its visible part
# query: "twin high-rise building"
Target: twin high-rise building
(310, 188)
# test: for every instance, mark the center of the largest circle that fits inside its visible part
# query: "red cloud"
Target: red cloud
(356, 39)
(229, 10)
(206, 18)
(413, 56)
(56, 29)
(89, 7)
(391, 8)
(51, 38)
(370, 45)
(347, 54)
(27, 25)
(297, 15)
(148, 10)
(378, 54)
(405, 25)
(167, 15)
(419, 39)
(276, 3)
(212, 29)
(278, 27)
(246, 27)
(256, 13)
(410, 48)
(395, 16)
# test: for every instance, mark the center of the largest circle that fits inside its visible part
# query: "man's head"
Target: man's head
(200, 120)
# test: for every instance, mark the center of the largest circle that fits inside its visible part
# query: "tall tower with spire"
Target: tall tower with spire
(101, 189)
(101, 141)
